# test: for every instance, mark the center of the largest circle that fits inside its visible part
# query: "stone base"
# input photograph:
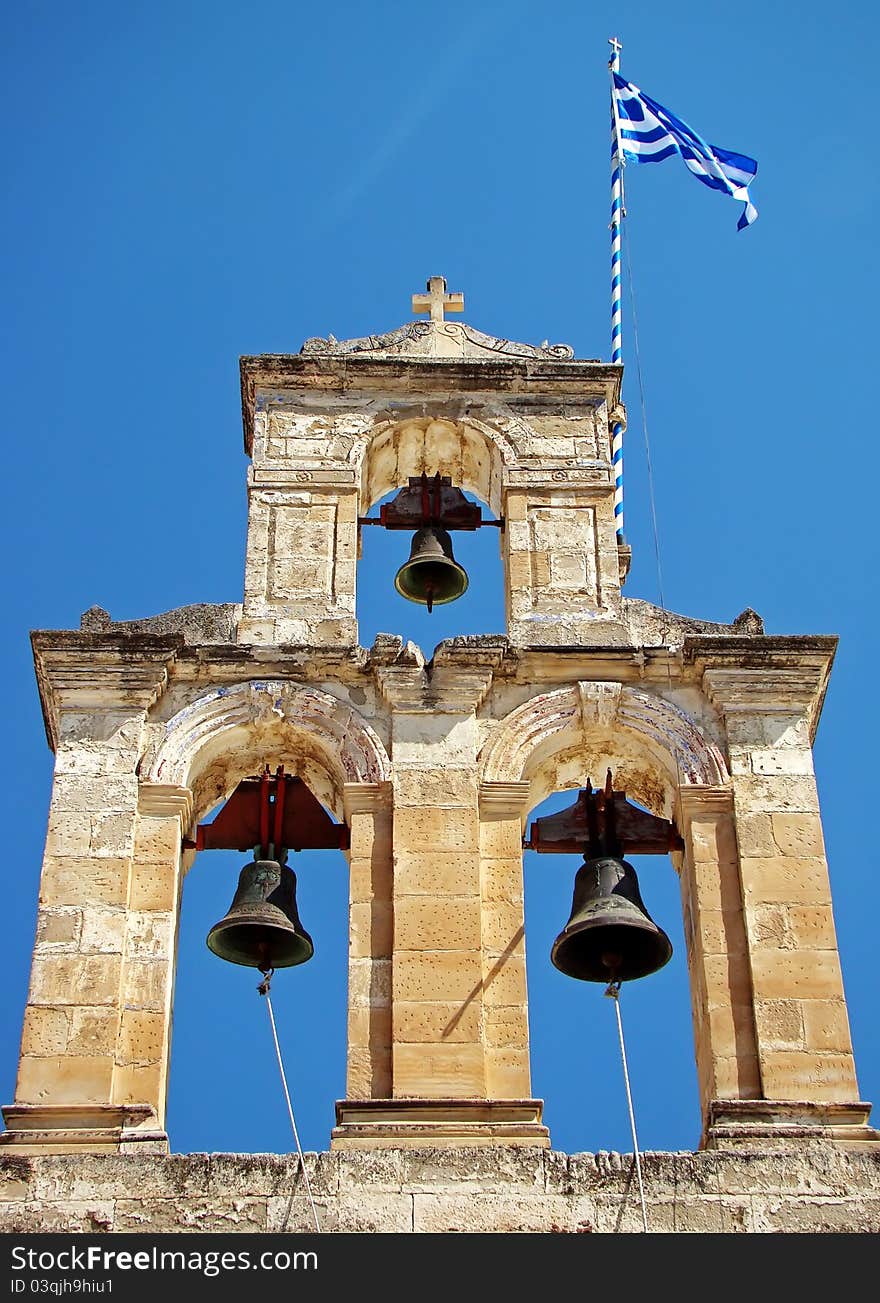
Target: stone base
(751, 1123)
(819, 1188)
(82, 1128)
(440, 1123)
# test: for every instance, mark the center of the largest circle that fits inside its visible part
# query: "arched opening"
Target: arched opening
(381, 609)
(471, 456)
(655, 749)
(225, 1090)
(575, 1052)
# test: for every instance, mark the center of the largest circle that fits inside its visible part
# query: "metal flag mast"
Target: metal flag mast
(617, 214)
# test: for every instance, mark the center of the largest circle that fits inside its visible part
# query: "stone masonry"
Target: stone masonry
(435, 765)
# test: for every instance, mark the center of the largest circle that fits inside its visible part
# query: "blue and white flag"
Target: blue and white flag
(649, 133)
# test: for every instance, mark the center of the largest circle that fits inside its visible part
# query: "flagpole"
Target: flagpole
(617, 214)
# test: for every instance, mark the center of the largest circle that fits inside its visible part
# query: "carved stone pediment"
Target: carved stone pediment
(437, 339)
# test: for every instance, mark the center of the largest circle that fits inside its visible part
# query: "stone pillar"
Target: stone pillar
(143, 1045)
(805, 1057)
(505, 996)
(443, 1076)
(300, 562)
(67, 1097)
(718, 961)
(368, 813)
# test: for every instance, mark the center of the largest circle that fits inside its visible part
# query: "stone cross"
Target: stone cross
(437, 299)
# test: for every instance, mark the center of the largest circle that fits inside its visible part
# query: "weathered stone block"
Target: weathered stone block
(70, 979)
(64, 1079)
(426, 1071)
(58, 929)
(71, 880)
(45, 1031)
(798, 834)
(440, 874)
(437, 923)
(153, 885)
(93, 1031)
(141, 1037)
(371, 929)
(786, 879)
(826, 1026)
(139, 1084)
(429, 830)
(796, 975)
(437, 975)
(808, 1074)
(779, 1024)
(501, 879)
(435, 1022)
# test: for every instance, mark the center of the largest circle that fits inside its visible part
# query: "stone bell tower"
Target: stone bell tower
(434, 765)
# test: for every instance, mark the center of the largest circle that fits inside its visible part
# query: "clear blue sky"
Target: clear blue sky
(188, 182)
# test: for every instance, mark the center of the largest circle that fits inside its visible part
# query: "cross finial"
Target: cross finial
(615, 45)
(437, 299)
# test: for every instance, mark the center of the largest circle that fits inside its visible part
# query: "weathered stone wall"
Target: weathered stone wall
(819, 1188)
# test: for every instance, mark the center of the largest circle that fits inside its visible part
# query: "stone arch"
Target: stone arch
(557, 739)
(210, 744)
(471, 452)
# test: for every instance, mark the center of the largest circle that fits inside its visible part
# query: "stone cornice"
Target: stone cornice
(764, 675)
(87, 672)
(337, 372)
(410, 690)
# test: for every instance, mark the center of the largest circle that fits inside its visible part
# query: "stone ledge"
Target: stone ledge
(443, 1123)
(821, 1188)
(39, 1129)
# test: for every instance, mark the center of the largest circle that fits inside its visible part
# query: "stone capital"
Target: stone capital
(500, 800)
(166, 800)
(365, 798)
(698, 802)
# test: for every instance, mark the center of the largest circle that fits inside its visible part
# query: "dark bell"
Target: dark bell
(432, 575)
(610, 936)
(262, 929)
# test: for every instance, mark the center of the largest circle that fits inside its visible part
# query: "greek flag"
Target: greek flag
(648, 133)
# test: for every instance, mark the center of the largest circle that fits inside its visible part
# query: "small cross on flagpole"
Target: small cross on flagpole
(436, 299)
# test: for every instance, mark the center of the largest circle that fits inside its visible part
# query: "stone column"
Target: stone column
(718, 961)
(805, 1056)
(301, 555)
(562, 569)
(368, 813)
(505, 996)
(443, 1075)
(66, 1098)
(143, 1044)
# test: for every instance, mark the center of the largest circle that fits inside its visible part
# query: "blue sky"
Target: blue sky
(189, 182)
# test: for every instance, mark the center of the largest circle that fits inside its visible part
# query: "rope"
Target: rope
(614, 992)
(263, 989)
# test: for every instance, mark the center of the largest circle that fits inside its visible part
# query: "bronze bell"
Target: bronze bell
(432, 575)
(610, 936)
(262, 929)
